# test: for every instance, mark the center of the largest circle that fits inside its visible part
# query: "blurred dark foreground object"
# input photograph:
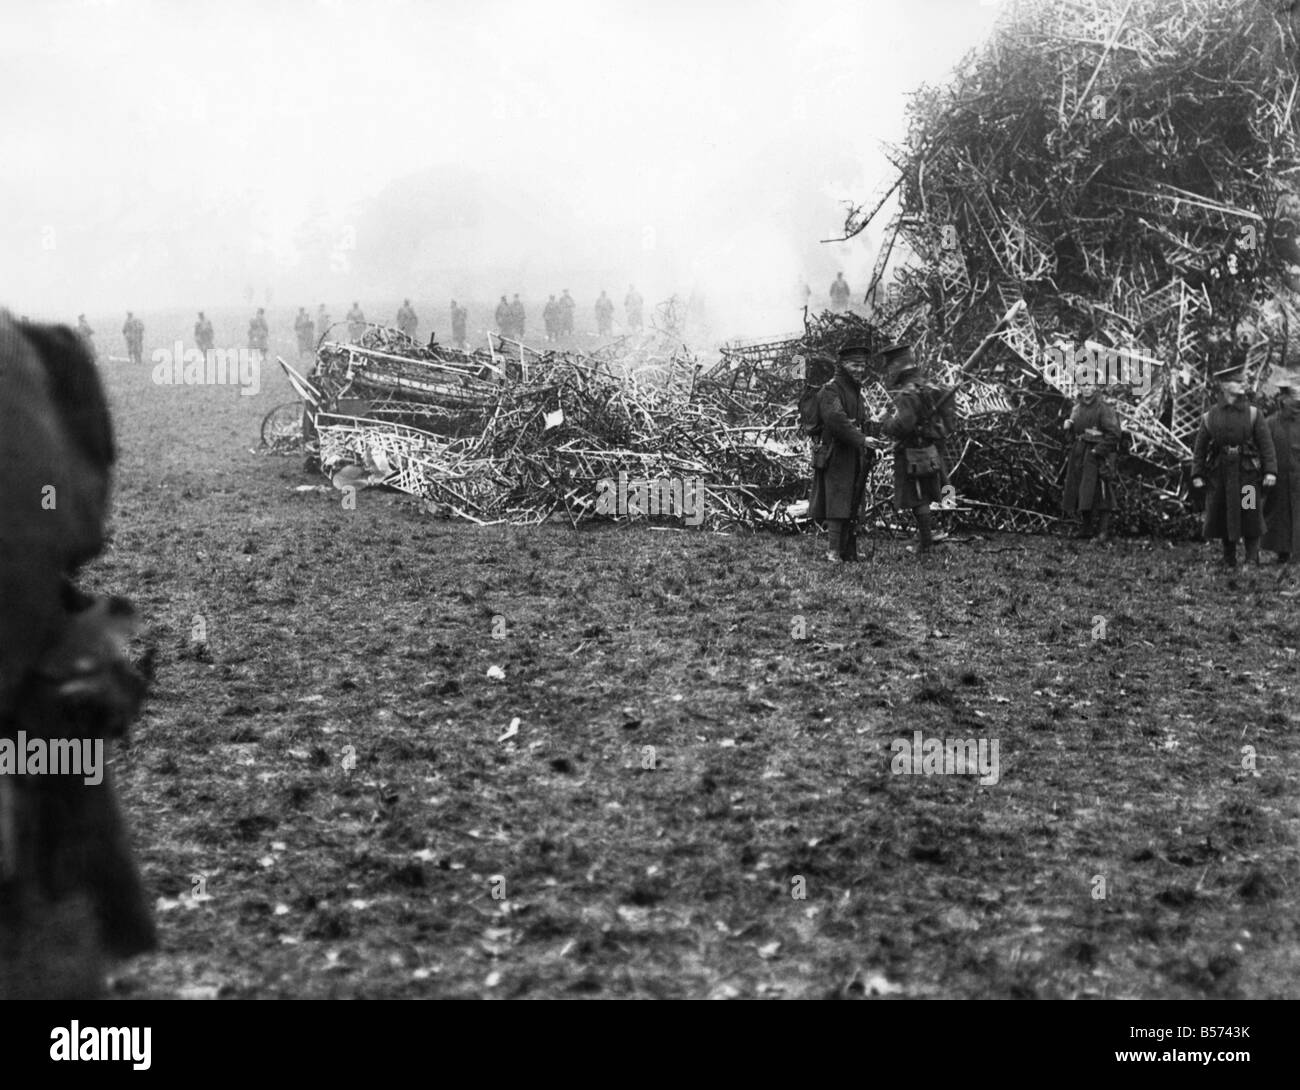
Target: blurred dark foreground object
(70, 893)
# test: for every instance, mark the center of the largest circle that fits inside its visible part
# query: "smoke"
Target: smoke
(202, 154)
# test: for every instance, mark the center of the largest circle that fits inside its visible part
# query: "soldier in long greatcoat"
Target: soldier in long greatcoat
(1282, 502)
(1091, 472)
(920, 422)
(1234, 455)
(843, 451)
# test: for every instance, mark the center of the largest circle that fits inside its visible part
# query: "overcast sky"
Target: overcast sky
(190, 153)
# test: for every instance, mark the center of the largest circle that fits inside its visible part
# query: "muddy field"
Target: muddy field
(698, 799)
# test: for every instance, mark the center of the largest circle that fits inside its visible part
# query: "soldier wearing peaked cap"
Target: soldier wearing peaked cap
(843, 457)
(1234, 454)
(922, 419)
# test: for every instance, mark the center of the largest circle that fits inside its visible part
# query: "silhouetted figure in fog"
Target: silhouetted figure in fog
(839, 293)
(567, 307)
(458, 316)
(258, 333)
(305, 329)
(356, 322)
(407, 322)
(204, 337)
(133, 331)
(604, 315)
(633, 304)
(551, 318)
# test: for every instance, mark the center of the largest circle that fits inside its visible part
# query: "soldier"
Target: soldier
(322, 322)
(458, 316)
(551, 319)
(842, 457)
(1282, 503)
(921, 420)
(86, 333)
(356, 322)
(633, 304)
(1234, 450)
(1091, 473)
(503, 317)
(604, 315)
(258, 332)
(839, 293)
(305, 328)
(133, 331)
(517, 317)
(407, 322)
(70, 893)
(567, 307)
(204, 337)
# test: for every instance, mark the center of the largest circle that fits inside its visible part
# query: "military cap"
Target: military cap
(856, 346)
(902, 375)
(895, 349)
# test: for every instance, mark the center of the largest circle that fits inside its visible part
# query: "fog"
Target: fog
(214, 154)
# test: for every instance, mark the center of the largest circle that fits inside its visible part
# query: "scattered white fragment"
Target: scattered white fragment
(197, 991)
(511, 730)
(495, 673)
(876, 984)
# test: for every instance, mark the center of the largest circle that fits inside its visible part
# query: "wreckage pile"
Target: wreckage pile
(511, 434)
(1107, 178)
(1120, 172)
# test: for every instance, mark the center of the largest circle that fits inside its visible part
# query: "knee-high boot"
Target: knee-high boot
(925, 527)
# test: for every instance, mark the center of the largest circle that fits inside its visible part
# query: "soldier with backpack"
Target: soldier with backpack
(842, 457)
(922, 419)
(1235, 452)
